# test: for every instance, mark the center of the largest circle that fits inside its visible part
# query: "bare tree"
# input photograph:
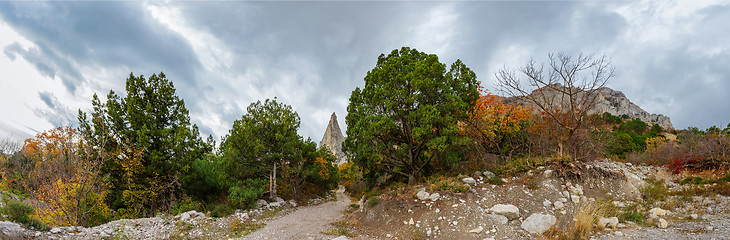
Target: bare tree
(565, 92)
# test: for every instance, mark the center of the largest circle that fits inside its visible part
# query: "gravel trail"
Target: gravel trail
(306, 222)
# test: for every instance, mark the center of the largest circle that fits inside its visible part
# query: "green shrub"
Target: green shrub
(245, 193)
(18, 211)
(37, 225)
(521, 164)
(632, 213)
(372, 201)
(655, 190)
(494, 180)
(221, 211)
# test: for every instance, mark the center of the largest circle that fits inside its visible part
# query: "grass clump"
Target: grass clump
(632, 213)
(519, 165)
(585, 217)
(221, 211)
(447, 184)
(242, 228)
(340, 229)
(654, 191)
(372, 201)
(21, 212)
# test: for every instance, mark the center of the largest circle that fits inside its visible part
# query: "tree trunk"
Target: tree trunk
(412, 178)
(273, 185)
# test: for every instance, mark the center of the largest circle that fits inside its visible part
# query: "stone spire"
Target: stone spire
(333, 140)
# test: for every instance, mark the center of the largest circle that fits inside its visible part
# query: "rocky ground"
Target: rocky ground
(544, 202)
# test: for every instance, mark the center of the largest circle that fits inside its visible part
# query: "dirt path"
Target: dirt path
(305, 223)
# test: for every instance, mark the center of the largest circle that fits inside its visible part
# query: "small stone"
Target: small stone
(547, 173)
(618, 233)
(546, 203)
(410, 222)
(662, 223)
(438, 210)
(434, 196)
(56, 230)
(488, 174)
(293, 203)
(558, 205)
(422, 195)
(477, 230)
(694, 216)
(341, 238)
(469, 180)
(498, 218)
(477, 174)
(564, 200)
(389, 235)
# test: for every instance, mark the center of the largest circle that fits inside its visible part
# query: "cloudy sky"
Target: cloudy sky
(671, 58)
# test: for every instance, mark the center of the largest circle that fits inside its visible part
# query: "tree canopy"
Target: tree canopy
(406, 114)
(153, 142)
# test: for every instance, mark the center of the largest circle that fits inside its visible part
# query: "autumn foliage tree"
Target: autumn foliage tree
(564, 92)
(495, 126)
(65, 179)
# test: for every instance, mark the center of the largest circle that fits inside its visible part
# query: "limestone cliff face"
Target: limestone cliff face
(616, 103)
(608, 100)
(333, 140)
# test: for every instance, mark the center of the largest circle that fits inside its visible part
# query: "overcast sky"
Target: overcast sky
(671, 58)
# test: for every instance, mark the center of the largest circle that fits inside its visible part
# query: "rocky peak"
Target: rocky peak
(333, 140)
(608, 100)
(616, 103)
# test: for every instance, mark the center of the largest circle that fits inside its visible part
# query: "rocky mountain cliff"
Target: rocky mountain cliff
(333, 140)
(608, 100)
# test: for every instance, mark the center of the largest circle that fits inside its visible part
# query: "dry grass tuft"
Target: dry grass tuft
(585, 217)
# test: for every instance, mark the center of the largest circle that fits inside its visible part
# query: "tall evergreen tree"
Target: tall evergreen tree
(406, 115)
(153, 142)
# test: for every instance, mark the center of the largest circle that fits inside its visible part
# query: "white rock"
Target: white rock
(559, 205)
(489, 238)
(477, 174)
(341, 238)
(507, 210)
(564, 200)
(694, 216)
(469, 180)
(546, 203)
(438, 210)
(422, 195)
(608, 222)
(56, 230)
(477, 230)
(428, 232)
(538, 223)
(261, 203)
(184, 216)
(293, 203)
(547, 173)
(498, 218)
(662, 223)
(618, 233)
(11, 230)
(658, 211)
(278, 199)
(434, 196)
(488, 174)
(410, 222)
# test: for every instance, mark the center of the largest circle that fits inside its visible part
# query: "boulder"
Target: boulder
(422, 195)
(658, 211)
(469, 180)
(434, 196)
(488, 174)
(507, 210)
(56, 230)
(261, 203)
(11, 230)
(538, 223)
(662, 223)
(477, 174)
